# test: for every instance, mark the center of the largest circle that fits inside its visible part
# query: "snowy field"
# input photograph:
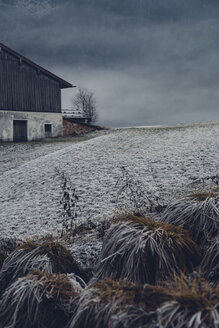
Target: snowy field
(14, 154)
(165, 161)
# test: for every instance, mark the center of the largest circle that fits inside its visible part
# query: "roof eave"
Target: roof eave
(66, 85)
(63, 84)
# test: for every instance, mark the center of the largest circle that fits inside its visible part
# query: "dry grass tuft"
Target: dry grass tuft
(3, 256)
(185, 303)
(8, 245)
(203, 195)
(48, 256)
(142, 250)
(195, 305)
(38, 300)
(60, 258)
(111, 303)
(146, 296)
(198, 214)
(210, 262)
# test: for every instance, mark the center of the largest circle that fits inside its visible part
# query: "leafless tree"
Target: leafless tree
(85, 102)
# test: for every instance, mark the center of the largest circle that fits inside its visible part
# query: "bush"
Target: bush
(142, 250)
(45, 255)
(38, 300)
(198, 214)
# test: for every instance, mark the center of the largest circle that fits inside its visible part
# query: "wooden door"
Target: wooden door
(19, 130)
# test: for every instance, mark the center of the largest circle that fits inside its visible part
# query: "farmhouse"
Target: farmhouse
(30, 99)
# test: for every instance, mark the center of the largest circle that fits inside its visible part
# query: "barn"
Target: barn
(30, 99)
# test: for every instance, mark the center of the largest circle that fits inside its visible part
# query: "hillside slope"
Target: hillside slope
(163, 160)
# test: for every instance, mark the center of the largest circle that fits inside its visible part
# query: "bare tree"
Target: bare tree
(85, 102)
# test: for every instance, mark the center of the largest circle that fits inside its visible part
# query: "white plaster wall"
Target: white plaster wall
(35, 124)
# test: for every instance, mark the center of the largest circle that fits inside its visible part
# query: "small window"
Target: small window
(48, 130)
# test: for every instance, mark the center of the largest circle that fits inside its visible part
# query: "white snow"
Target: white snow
(163, 160)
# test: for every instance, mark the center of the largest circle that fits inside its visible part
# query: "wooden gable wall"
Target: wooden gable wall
(24, 88)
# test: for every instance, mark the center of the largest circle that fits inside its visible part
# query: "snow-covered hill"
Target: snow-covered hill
(163, 160)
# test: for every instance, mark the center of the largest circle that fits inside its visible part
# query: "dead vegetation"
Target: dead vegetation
(3, 256)
(137, 199)
(198, 214)
(43, 254)
(210, 262)
(202, 196)
(195, 304)
(38, 300)
(7, 245)
(142, 250)
(156, 259)
(70, 206)
(60, 258)
(103, 302)
(186, 302)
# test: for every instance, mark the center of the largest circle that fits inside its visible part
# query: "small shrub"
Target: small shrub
(102, 228)
(134, 192)
(198, 214)
(38, 300)
(142, 250)
(49, 256)
(70, 205)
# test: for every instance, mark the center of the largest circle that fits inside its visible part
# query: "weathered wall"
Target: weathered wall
(35, 124)
(71, 128)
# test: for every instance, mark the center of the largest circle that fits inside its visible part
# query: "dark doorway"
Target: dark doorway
(19, 130)
(48, 130)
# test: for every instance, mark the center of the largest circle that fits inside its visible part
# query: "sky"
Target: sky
(148, 62)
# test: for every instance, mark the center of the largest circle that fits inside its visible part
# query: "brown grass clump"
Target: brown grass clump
(38, 300)
(118, 304)
(203, 195)
(146, 296)
(111, 303)
(198, 214)
(195, 305)
(7, 244)
(142, 250)
(210, 262)
(60, 258)
(48, 256)
(3, 256)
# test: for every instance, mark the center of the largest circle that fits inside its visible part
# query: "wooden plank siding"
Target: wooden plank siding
(25, 88)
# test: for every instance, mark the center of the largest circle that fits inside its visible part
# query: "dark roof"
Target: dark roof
(63, 83)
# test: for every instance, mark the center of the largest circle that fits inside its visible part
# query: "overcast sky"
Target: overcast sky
(148, 61)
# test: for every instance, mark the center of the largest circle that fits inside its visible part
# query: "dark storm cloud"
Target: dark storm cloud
(148, 61)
